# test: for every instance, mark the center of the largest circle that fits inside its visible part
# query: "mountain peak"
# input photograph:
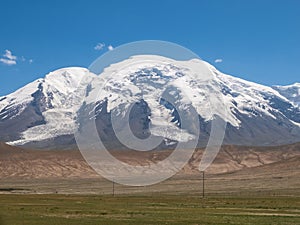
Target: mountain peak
(66, 79)
(48, 109)
(296, 84)
(49, 104)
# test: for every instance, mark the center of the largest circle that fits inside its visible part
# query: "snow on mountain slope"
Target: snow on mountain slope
(151, 79)
(256, 114)
(291, 92)
(148, 77)
(49, 108)
(16, 101)
(253, 99)
(56, 99)
(150, 74)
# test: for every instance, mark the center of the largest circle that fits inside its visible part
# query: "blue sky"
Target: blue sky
(256, 40)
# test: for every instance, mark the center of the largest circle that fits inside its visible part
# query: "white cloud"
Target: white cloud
(9, 55)
(8, 58)
(8, 61)
(110, 47)
(30, 61)
(99, 46)
(218, 60)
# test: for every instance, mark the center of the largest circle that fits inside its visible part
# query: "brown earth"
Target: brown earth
(18, 162)
(235, 169)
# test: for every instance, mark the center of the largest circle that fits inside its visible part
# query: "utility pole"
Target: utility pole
(203, 179)
(113, 187)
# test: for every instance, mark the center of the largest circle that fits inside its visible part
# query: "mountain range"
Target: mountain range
(46, 113)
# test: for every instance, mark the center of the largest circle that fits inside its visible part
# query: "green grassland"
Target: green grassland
(57, 209)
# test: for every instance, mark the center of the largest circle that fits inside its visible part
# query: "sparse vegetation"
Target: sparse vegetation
(147, 209)
(39, 188)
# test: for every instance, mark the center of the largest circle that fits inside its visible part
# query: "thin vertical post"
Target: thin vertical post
(113, 187)
(203, 185)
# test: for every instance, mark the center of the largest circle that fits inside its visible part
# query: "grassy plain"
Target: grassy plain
(245, 187)
(58, 209)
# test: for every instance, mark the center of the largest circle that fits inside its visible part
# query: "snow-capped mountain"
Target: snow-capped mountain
(44, 109)
(47, 112)
(291, 92)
